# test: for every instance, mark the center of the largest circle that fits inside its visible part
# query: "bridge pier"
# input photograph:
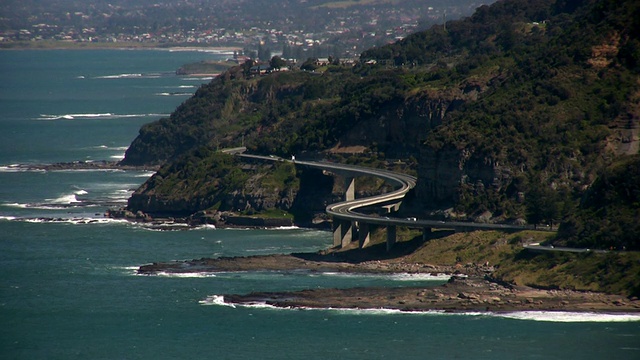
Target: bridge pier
(342, 232)
(349, 189)
(343, 229)
(364, 235)
(391, 236)
(391, 208)
(426, 232)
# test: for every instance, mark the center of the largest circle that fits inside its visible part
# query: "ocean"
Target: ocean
(68, 287)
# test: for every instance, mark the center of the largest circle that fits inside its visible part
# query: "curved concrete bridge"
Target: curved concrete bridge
(347, 221)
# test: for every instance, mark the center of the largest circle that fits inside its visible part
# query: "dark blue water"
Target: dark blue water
(68, 289)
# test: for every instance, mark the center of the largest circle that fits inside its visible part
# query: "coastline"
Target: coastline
(470, 289)
(56, 45)
(81, 165)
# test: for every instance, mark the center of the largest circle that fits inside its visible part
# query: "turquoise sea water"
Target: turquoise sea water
(68, 288)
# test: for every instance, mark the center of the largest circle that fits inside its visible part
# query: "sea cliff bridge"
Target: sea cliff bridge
(350, 225)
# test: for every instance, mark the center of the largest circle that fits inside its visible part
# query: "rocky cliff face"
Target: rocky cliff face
(400, 127)
(447, 174)
(304, 198)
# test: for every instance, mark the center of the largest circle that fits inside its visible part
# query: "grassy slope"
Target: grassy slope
(614, 273)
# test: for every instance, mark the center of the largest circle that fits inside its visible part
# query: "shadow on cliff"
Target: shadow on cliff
(378, 251)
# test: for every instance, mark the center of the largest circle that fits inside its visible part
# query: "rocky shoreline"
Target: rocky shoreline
(470, 289)
(82, 165)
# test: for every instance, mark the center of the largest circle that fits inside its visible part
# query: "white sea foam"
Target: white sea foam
(63, 203)
(119, 76)
(197, 78)
(105, 147)
(74, 116)
(86, 170)
(187, 275)
(162, 226)
(216, 300)
(120, 195)
(130, 270)
(550, 316)
(219, 300)
(146, 174)
(18, 205)
(173, 94)
(86, 116)
(64, 200)
(394, 277)
(118, 156)
(8, 218)
(420, 277)
(284, 228)
(561, 316)
(19, 168)
(81, 192)
(73, 221)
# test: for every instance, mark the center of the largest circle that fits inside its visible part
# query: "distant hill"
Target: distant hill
(510, 115)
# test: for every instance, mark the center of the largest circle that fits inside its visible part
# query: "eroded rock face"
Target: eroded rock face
(313, 194)
(399, 127)
(444, 174)
(440, 174)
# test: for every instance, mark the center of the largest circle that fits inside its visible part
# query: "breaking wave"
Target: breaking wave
(119, 76)
(85, 116)
(551, 316)
(64, 200)
(173, 94)
(18, 168)
(197, 78)
(561, 316)
(80, 220)
(187, 275)
(105, 147)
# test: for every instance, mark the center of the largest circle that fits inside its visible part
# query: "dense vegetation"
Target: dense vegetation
(531, 106)
(203, 176)
(609, 213)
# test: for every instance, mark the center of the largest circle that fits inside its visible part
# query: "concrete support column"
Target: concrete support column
(350, 189)
(335, 225)
(346, 227)
(391, 236)
(364, 235)
(342, 232)
(426, 232)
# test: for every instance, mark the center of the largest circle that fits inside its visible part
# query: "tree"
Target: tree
(277, 63)
(263, 52)
(309, 65)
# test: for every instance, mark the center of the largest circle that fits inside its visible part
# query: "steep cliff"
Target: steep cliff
(216, 183)
(511, 114)
(561, 111)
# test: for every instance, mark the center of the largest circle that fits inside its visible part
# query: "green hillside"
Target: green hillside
(516, 114)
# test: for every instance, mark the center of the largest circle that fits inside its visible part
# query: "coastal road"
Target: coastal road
(347, 210)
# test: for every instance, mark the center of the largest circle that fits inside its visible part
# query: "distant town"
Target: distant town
(293, 29)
